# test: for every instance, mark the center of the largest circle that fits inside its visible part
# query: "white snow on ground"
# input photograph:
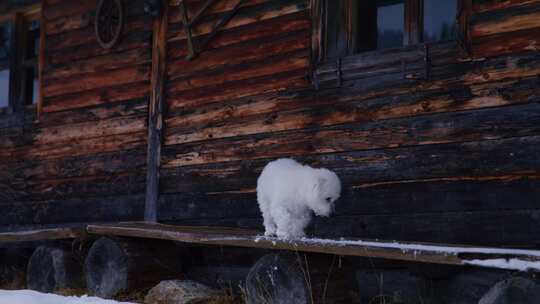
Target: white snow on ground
(33, 297)
(511, 264)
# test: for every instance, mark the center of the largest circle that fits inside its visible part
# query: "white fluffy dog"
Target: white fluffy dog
(288, 191)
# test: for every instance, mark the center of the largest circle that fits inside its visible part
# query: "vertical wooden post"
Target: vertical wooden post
(317, 21)
(155, 112)
(414, 22)
(15, 59)
(41, 59)
(464, 31)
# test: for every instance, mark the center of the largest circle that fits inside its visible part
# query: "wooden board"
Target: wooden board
(417, 252)
(41, 235)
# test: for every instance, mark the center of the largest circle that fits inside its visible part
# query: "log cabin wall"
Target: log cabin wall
(84, 159)
(441, 149)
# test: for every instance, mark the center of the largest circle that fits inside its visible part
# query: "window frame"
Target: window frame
(412, 31)
(19, 18)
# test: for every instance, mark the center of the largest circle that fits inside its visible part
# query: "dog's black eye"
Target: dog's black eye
(328, 199)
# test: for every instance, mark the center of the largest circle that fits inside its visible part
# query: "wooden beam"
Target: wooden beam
(464, 27)
(404, 251)
(15, 58)
(317, 40)
(414, 22)
(155, 117)
(41, 61)
(41, 234)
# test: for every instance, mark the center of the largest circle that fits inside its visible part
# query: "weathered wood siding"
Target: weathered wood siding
(446, 153)
(84, 160)
(232, 89)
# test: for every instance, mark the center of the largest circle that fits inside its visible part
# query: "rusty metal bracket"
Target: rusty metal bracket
(193, 50)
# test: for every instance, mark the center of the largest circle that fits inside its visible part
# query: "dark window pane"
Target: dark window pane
(33, 39)
(439, 20)
(366, 25)
(5, 33)
(390, 24)
(379, 24)
(31, 62)
(336, 40)
(31, 86)
(34, 83)
(4, 88)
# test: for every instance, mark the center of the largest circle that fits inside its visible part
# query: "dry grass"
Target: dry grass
(68, 292)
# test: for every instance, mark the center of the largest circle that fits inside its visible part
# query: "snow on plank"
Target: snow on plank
(517, 259)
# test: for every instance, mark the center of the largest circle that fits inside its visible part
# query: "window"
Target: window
(5, 34)
(355, 26)
(19, 53)
(379, 24)
(440, 20)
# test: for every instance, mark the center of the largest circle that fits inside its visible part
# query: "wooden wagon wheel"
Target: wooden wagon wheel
(109, 22)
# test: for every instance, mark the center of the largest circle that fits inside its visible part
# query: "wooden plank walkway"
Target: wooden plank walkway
(417, 252)
(41, 234)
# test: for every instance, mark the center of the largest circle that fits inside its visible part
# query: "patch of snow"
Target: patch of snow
(404, 247)
(33, 297)
(420, 247)
(511, 264)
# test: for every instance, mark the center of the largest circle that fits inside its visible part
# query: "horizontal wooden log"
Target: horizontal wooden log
(450, 70)
(428, 196)
(246, 16)
(130, 41)
(29, 170)
(70, 22)
(59, 9)
(15, 120)
(76, 148)
(86, 35)
(506, 156)
(506, 20)
(263, 30)
(86, 82)
(99, 96)
(73, 210)
(223, 60)
(41, 234)
(287, 62)
(193, 7)
(127, 108)
(489, 228)
(83, 16)
(391, 104)
(442, 128)
(286, 112)
(88, 130)
(507, 43)
(100, 64)
(64, 189)
(289, 80)
(488, 5)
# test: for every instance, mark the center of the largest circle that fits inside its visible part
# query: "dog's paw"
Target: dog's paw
(269, 233)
